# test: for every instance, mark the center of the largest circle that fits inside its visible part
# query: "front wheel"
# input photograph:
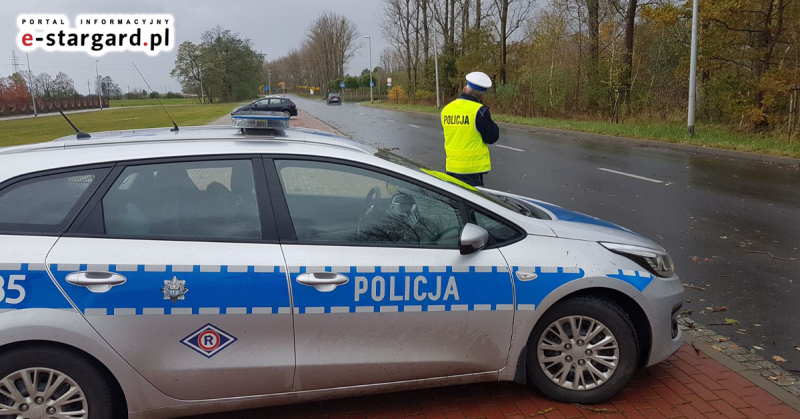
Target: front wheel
(582, 350)
(287, 113)
(51, 382)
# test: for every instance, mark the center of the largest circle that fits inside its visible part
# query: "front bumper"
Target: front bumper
(662, 301)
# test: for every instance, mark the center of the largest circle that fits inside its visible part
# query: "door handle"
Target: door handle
(322, 281)
(96, 281)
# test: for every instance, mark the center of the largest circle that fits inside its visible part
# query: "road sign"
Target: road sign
(372, 84)
(388, 84)
(341, 85)
(388, 80)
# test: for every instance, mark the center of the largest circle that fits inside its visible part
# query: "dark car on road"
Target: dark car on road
(334, 98)
(274, 104)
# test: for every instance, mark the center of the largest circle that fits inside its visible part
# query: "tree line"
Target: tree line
(589, 58)
(23, 84)
(225, 65)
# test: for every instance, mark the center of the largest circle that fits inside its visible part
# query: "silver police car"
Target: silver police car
(154, 273)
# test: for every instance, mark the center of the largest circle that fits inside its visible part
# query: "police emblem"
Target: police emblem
(208, 340)
(174, 289)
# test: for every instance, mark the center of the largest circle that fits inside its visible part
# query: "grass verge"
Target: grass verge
(45, 128)
(668, 132)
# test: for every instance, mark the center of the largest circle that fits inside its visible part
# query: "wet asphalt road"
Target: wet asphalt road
(732, 226)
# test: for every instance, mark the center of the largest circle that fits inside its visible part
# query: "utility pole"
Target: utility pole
(30, 84)
(269, 81)
(99, 83)
(202, 97)
(88, 87)
(436, 66)
(693, 71)
(370, 68)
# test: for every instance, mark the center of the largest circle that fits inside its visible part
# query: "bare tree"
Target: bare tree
(398, 20)
(511, 14)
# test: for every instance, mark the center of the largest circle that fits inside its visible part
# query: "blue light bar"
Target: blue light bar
(251, 119)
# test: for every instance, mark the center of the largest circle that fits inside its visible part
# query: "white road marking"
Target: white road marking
(630, 175)
(510, 148)
(390, 120)
(412, 125)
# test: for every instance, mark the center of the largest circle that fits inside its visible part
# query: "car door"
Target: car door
(381, 292)
(176, 265)
(275, 105)
(34, 210)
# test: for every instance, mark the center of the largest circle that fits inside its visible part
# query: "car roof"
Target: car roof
(187, 134)
(161, 142)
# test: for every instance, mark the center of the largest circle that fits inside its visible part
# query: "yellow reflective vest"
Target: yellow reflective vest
(466, 151)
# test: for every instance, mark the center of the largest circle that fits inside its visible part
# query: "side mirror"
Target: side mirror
(473, 238)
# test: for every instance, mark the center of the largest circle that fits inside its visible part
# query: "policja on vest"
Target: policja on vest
(468, 128)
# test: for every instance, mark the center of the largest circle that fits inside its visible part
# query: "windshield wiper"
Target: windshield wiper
(522, 209)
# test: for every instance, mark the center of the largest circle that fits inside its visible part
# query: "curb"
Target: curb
(765, 374)
(721, 152)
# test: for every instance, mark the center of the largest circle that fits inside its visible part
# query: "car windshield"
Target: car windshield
(510, 203)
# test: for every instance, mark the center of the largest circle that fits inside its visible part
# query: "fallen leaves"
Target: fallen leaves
(600, 410)
(778, 358)
(758, 348)
(543, 412)
(717, 309)
(726, 322)
(797, 348)
(693, 287)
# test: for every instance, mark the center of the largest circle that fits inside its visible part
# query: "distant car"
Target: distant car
(275, 104)
(334, 98)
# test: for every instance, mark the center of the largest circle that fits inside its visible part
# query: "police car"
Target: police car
(155, 273)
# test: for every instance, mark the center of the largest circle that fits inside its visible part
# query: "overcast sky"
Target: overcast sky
(273, 26)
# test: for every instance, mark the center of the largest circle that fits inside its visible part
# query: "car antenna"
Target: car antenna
(175, 126)
(81, 135)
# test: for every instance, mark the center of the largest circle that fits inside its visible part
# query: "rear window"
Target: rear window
(46, 204)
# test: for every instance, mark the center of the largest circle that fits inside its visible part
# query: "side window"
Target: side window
(275, 102)
(262, 103)
(499, 231)
(205, 199)
(342, 204)
(46, 204)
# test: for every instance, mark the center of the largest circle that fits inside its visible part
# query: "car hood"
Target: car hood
(570, 224)
(238, 108)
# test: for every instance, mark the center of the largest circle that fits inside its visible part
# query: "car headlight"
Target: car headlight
(657, 262)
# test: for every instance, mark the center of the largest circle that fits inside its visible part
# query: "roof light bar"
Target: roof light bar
(250, 119)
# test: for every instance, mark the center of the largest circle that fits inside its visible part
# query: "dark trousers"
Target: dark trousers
(472, 179)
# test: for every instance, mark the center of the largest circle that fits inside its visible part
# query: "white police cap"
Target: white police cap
(479, 81)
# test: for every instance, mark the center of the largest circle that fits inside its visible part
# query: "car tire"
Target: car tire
(287, 113)
(51, 361)
(574, 354)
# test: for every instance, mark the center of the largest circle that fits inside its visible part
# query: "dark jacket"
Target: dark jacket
(490, 132)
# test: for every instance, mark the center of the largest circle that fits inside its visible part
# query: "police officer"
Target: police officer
(468, 128)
